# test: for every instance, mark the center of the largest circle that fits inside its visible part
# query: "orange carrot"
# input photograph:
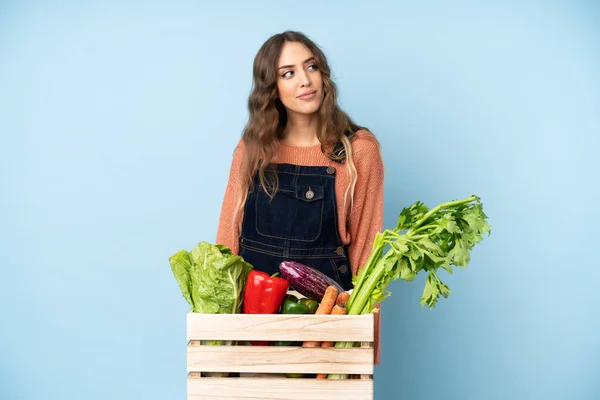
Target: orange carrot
(325, 307)
(342, 299)
(328, 301)
(336, 310)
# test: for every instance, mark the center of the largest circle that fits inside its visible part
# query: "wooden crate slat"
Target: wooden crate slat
(351, 328)
(278, 389)
(275, 359)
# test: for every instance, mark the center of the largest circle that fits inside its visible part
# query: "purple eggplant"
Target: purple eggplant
(306, 280)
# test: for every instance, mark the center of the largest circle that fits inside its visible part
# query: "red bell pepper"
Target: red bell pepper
(264, 294)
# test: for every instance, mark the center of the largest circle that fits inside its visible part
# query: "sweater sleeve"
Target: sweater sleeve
(366, 217)
(228, 231)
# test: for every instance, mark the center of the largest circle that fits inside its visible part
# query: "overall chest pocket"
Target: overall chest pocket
(294, 213)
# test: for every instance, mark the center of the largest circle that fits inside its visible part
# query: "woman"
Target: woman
(306, 183)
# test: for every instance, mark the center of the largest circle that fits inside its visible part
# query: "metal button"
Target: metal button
(330, 170)
(339, 251)
(310, 194)
(343, 269)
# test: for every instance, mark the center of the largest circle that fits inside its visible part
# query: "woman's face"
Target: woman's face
(299, 81)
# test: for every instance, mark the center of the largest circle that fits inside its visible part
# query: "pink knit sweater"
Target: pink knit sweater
(357, 226)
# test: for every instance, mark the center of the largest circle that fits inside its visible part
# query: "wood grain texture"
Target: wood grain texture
(337, 328)
(366, 375)
(261, 367)
(278, 389)
(275, 359)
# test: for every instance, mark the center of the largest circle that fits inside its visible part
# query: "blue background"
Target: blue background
(118, 121)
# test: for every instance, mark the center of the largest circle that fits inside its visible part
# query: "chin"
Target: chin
(308, 109)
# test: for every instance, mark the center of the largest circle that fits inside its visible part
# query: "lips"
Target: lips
(307, 95)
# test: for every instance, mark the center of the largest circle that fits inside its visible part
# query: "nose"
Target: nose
(304, 79)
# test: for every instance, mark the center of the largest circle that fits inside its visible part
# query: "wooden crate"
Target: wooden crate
(272, 361)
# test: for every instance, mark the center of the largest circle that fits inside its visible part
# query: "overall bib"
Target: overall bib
(300, 223)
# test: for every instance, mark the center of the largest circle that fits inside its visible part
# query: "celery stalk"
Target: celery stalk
(423, 240)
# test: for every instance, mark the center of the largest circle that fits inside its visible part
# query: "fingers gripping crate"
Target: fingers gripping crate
(272, 361)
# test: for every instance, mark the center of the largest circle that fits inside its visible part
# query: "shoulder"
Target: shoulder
(240, 146)
(237, 155)
(240, 149)
(366, 148)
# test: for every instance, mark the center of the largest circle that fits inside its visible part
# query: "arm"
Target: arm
(228, 232)
(366, 218)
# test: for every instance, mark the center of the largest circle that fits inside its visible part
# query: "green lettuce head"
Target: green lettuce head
(212, 281)
(211, 278)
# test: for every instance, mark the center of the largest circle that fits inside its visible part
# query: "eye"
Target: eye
(313, 67)
(285, 74)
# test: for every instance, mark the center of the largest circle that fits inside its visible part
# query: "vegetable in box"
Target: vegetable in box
(211, 279)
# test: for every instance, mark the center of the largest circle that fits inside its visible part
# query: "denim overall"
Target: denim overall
(299, 224)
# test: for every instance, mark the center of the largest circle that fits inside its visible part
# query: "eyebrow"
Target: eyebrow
(291, 66)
